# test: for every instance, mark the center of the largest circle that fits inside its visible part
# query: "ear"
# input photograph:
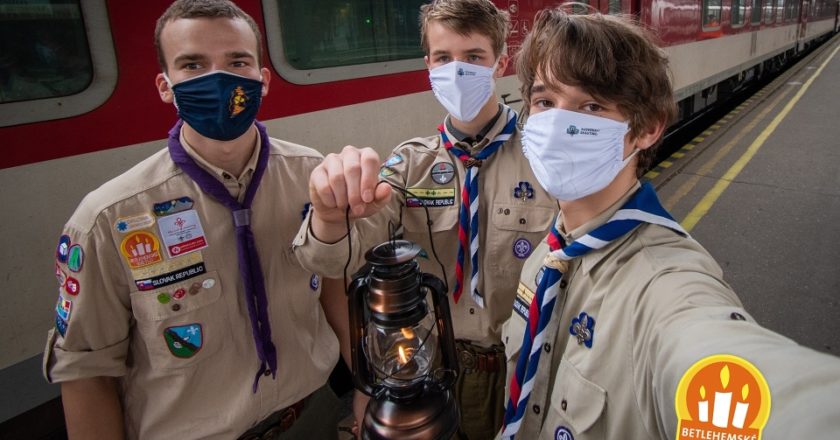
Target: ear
(164, 90)
(266, 79)
(649, 136)
(428, 63)
(502, 66)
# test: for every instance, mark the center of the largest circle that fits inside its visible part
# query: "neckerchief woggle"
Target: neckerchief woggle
(642, 207)
(249, 260)
(468, 214)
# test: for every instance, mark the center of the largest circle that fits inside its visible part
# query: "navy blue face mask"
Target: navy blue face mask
(219, 105)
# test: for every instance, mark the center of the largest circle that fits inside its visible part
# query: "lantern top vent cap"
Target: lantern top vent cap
(393, 253)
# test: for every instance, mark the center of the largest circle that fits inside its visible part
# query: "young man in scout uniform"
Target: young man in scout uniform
(623, 326)
(182, 313)
(486, 209)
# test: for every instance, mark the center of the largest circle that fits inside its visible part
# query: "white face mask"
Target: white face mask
(462, 88)
(574, 154)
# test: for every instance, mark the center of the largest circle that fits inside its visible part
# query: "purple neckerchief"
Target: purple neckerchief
(249, 261)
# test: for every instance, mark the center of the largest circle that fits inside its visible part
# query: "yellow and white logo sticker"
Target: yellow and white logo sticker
(722, 396)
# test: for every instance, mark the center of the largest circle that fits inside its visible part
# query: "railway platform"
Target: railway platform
(760, 190)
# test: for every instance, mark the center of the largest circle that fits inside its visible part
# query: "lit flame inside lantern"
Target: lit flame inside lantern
(404, 357)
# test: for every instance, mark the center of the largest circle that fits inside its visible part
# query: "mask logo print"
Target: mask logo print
(572, 130)
(238, 99)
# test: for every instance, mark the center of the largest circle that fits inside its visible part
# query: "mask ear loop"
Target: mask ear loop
(392, 235)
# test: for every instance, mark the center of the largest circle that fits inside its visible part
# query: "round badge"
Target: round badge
(208, 283)
(163, 298)
(314, 282)
(180, 293)
(71, 286)
(563, 433)
(443, 172)
(75, 258)
(522, 248)
(62, 251)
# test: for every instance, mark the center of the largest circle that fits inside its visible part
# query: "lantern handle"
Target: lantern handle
(362, 377)
(443, 320)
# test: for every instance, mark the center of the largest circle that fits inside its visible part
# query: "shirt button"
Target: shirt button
(536, 409)
(267, 373)
(563, 284)
(227, 176)
(547, 347)
(472, 311)
(737, 316)
(507, 211)
(176, 307)
(563, 405)
(522, 221)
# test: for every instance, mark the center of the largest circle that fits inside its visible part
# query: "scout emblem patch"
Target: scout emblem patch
(60, 325)
(523, 191)
(75, 258)
(393, 160)
(443, 172)
(62, 251)
(128, 224)
(71, 286)
(522, 248)
(140, 249)
(182, 233)
(431, 197)
(722, 396)
(386, 172)
(63, 307)
(173, 206)
(583, 327)
(563, 433)
(184, 341)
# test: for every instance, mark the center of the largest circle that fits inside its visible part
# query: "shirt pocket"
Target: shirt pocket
(577, 405)
(182, 324)
(516, 231)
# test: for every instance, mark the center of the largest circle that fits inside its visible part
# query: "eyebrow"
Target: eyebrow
(476, 50)
(537, 88)
(188, 57)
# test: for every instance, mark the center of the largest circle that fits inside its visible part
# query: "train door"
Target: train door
(804, 10)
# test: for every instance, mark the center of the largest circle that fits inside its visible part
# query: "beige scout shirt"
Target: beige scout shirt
(175, 329)
(659, 304)
(511, 224)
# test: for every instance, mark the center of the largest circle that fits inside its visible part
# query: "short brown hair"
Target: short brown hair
(203, 9)
(466, 17)
(609, 57)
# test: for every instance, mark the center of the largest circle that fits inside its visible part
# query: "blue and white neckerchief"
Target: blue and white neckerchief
(468, 215)
(642, 207)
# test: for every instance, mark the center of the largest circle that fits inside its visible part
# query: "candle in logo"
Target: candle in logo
(741, 408)
(703, 405)
(720, 416)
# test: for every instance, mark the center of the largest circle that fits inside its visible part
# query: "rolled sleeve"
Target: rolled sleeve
(325, 259)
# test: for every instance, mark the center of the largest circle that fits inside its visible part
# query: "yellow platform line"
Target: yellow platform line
(711, 197)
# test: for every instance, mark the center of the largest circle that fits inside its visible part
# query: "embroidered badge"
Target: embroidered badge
(60, 325)
(140, 249)
(167, 266)
(75, 258)
(523, 299)
(583, 327)
(538, 278)
(179, 294)
(393, 160)
(722, 396)
(71, 286)
(386, 172)
(171, 277)
(173, 206)
(522, 248)
(128, 224)
(60, 275)
(62, 251)
(563, 433)
(238, 100)
(443, 172)
(182, 233)
(314, 282)
(523, 191)
(164, 298)
(431, 197)
(184, 341)
(63, 307)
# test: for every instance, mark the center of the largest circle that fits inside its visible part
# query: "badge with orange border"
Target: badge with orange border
(722, 396)
(141, 249)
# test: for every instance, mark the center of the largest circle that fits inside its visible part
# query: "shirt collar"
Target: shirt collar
(219, 173)
(592, 258)
(486, 134)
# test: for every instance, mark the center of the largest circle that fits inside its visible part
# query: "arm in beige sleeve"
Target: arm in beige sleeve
(92, 408)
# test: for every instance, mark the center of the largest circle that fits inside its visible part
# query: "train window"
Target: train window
(738, 12)
(756, 12)
(768, 11)
(791, 10)
(711, 13)
(343, 39)
(53, 62)
(780, 10)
